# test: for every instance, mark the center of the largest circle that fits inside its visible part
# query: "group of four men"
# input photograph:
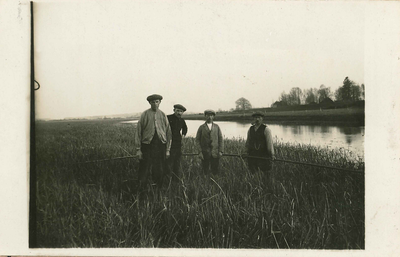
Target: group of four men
(159, 142)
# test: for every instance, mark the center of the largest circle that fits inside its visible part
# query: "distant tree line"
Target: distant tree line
(348, 92)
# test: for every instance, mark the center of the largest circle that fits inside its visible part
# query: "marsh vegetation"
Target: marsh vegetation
(98, 204)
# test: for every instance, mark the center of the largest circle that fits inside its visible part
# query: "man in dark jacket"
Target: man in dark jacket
(177, 124)
(259, 144)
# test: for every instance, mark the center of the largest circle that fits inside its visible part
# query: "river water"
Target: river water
(346, 137)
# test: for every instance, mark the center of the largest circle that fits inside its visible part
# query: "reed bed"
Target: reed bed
(99, 204)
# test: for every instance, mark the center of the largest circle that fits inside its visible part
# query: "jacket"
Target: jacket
(210, 142)
(177, 125)
(149, 122)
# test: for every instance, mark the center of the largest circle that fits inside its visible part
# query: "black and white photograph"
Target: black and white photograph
(204, 125)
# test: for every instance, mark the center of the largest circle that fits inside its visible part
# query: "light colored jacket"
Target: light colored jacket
(149, 122)
(210, 142)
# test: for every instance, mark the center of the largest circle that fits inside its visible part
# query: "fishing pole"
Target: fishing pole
(241, 156)
(110, 159)
(295, 162)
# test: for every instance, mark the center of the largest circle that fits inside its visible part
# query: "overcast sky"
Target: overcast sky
(104, 58)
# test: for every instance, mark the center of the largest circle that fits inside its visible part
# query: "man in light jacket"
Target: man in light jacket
(153, 141)
(210, 143)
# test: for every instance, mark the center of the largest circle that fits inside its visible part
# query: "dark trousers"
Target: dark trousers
(174, 162)
(265, 166)
(210, 163)
(153, 161)
(259, 164)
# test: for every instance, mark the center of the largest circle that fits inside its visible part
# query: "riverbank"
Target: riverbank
(343, 116)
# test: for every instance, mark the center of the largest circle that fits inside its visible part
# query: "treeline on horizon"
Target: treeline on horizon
(350, 94)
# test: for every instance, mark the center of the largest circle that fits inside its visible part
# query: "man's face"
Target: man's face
(155, 104)
(209, 117)
(178, 112)
(258, 120)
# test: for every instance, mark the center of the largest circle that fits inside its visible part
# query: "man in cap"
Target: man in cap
(210, 143)
(259, 144)
(177, 124)
(153, 141)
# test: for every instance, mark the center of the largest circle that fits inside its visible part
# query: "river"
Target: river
(346, 137)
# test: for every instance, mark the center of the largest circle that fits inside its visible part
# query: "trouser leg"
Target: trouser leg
(259, 164)
(144, 164)
(266, 167)
(158, 150)
(215, 165)
(158, 173)
(170, 164)
(144, 168)
(206, 164)
(174, 162)
(252, 162)
(177, 164)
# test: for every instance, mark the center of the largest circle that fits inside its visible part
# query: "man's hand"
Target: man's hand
(201, 156)
(139, 154)
(167, 154)
(220, 154)
(273, 158)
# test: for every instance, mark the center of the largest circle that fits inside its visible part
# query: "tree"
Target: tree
(243, 104)
(349, 91)
(355, 92)
(295, 96)
(324, 92)
(311, 95)
(284, 98)
(345, 90)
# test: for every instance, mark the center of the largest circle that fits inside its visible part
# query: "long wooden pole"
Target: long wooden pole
(243, 156)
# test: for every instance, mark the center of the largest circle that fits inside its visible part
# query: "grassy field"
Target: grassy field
(352, 116)
(98, 204)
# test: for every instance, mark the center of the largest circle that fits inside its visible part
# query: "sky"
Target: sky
(103, 58)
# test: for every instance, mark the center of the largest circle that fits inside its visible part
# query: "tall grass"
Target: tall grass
(99, 205)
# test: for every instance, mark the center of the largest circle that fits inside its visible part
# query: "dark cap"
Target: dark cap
(179, 106)
(154, 97)
(257, 114)
(209, 111)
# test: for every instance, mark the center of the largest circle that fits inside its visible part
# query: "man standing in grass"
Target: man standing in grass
(177, 124)
(210, 143)
(153, 141)
(259, 144)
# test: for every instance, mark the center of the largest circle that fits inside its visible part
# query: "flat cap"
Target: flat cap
(179, 106)
(154, 97)
(209, 111)
(257, 114)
